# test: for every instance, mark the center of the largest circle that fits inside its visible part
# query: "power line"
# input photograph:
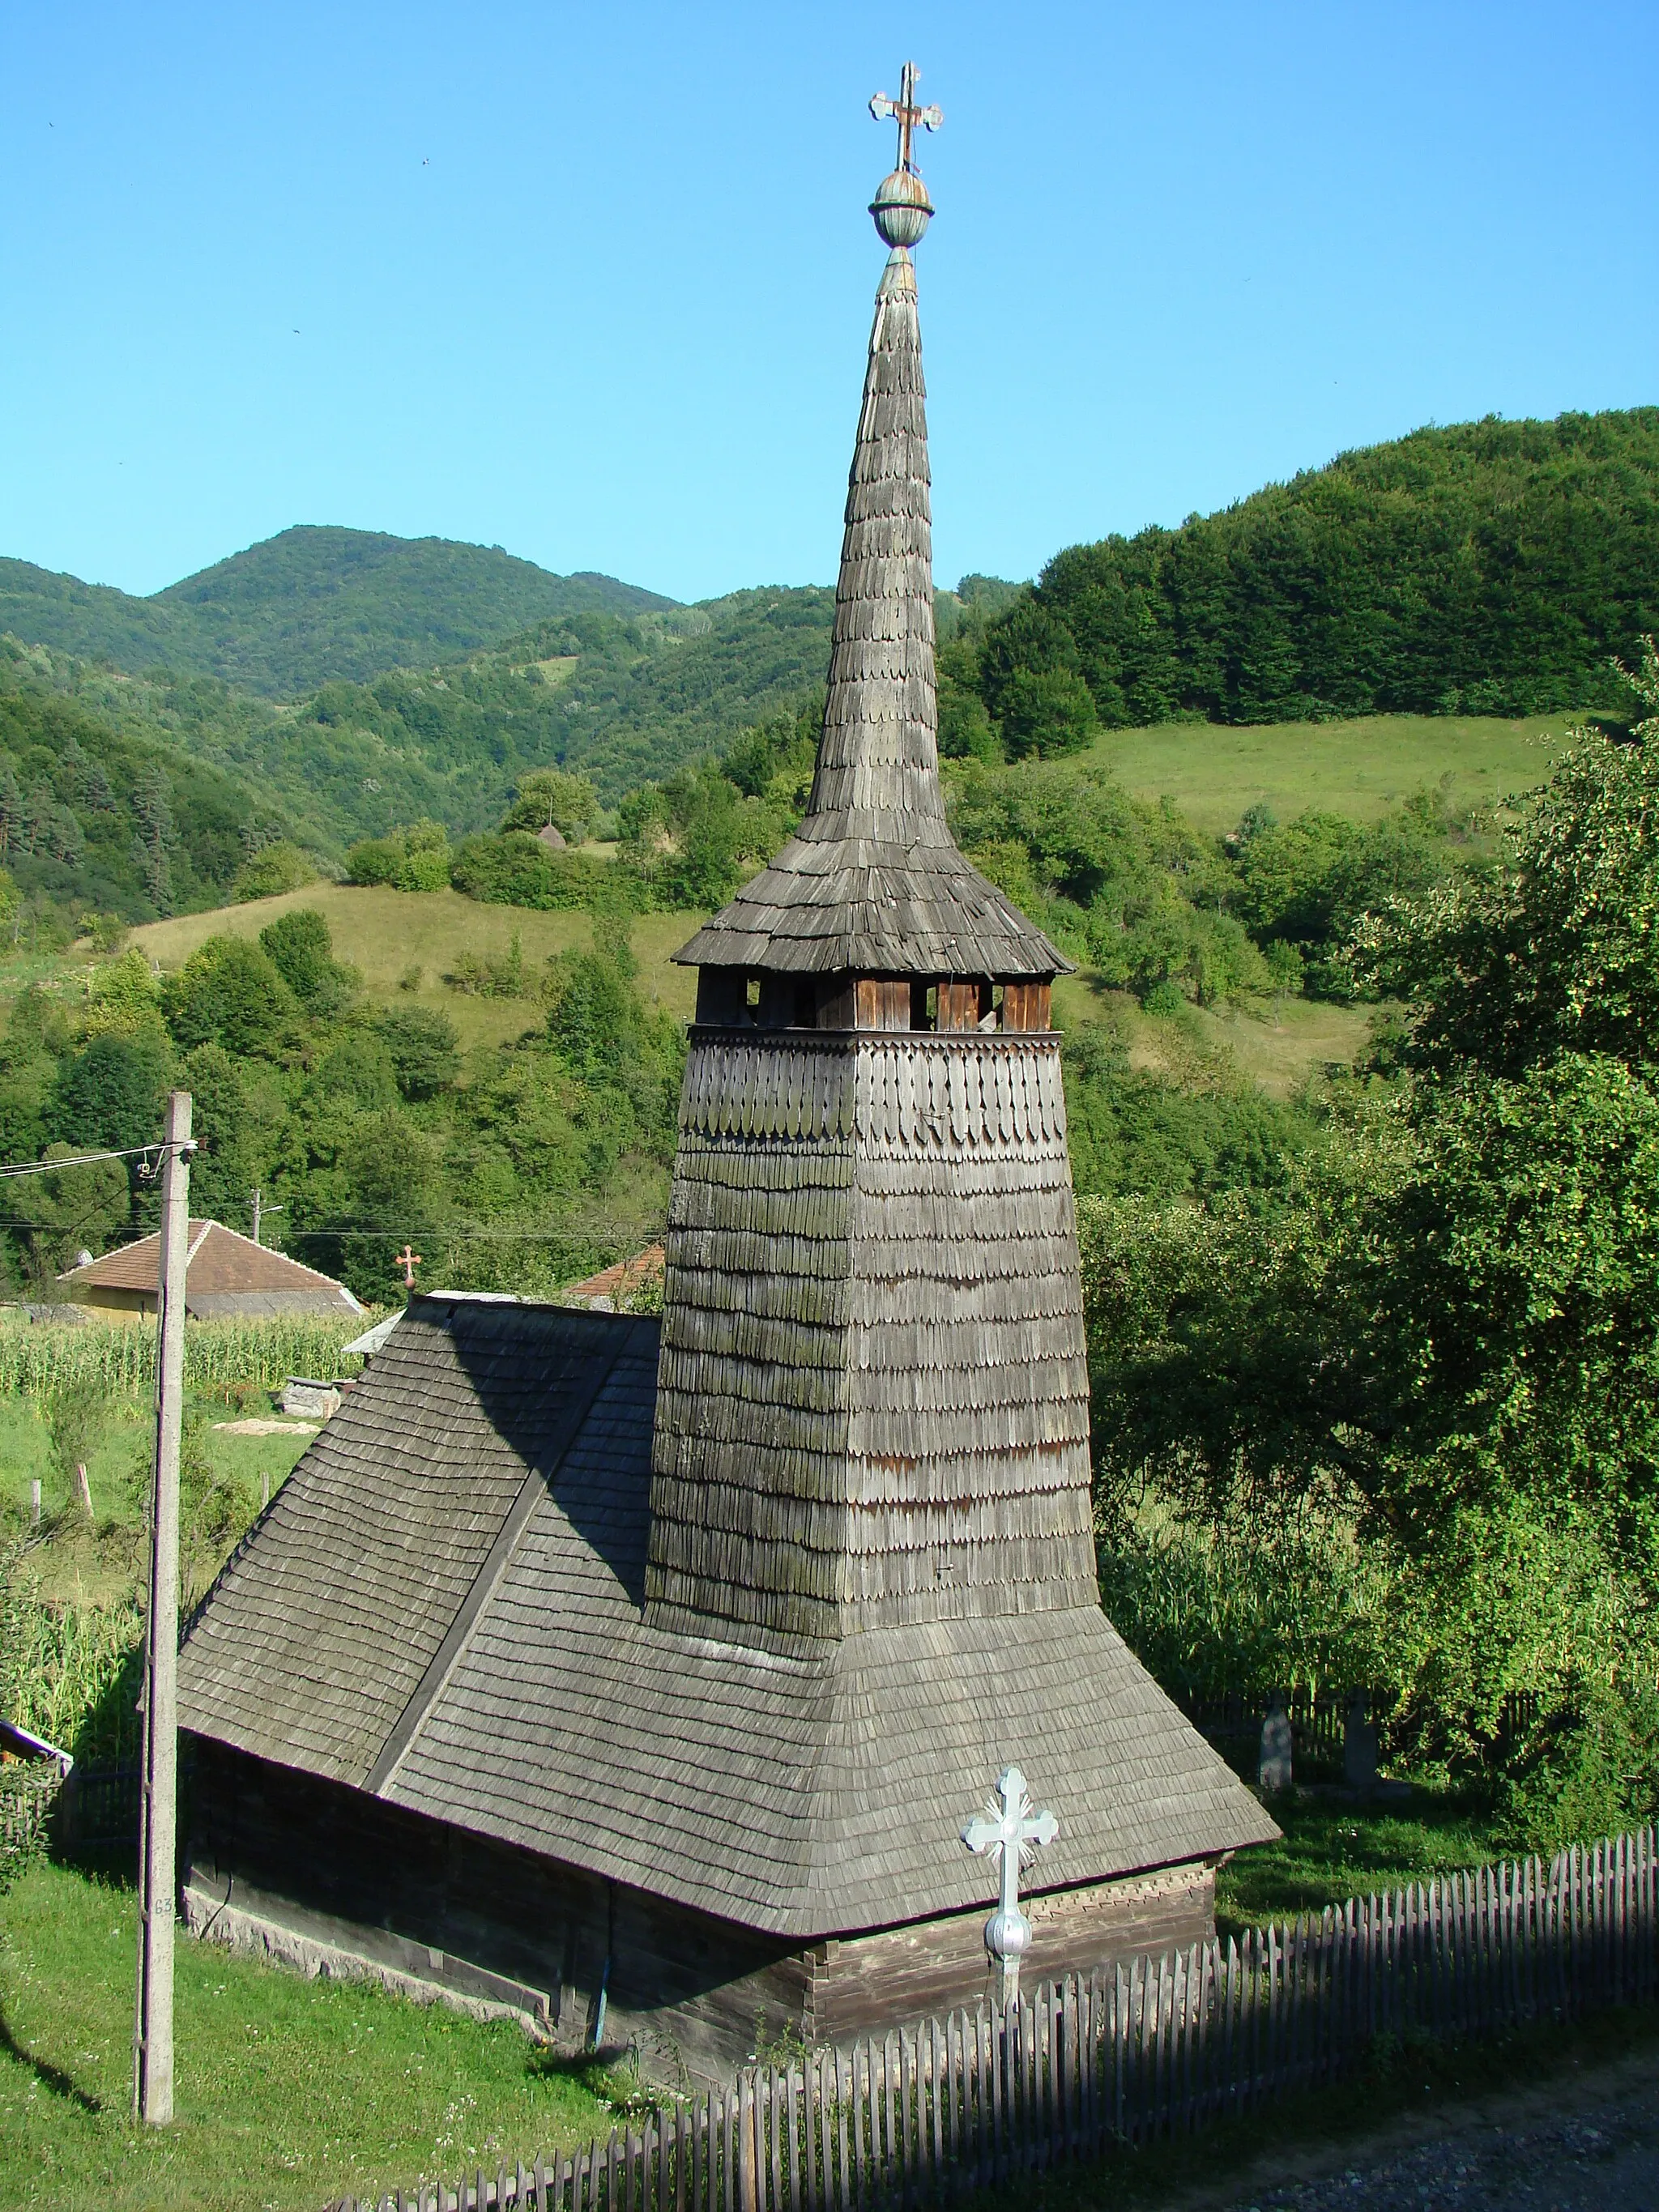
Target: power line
(186, 1151)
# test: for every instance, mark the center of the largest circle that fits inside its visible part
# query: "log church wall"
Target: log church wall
(332, 1881)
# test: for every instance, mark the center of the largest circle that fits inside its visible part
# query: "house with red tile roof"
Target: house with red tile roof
(228, 1276)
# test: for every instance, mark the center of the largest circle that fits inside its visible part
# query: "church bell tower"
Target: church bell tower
(872, 1403)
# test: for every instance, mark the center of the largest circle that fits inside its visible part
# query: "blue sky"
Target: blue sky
(594, 284)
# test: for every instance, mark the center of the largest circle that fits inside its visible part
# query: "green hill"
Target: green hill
(121, 821)
(307, 607)
(624, 699)
(1490, 568)
(1484, 570)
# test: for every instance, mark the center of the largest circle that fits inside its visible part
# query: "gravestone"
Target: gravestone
(1274, 1770)
(1359, 1747)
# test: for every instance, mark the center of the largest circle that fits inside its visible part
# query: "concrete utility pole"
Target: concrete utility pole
(260, 1210)
(152, 2081)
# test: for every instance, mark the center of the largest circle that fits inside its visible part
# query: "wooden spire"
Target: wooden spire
(873, 883)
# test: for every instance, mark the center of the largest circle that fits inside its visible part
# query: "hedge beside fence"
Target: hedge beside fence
(1158, 2047)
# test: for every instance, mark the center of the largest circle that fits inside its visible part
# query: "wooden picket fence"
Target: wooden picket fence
(1158, 2046)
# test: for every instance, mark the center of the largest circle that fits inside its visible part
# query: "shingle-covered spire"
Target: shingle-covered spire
(872, 881)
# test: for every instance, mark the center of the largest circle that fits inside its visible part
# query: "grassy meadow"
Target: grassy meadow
(1215, 773)
(388, 935)
(290, 2092)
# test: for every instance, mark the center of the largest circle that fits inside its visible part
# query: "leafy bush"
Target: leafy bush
(515, 869)
(412, 859)
(301, 951)
(272, 870)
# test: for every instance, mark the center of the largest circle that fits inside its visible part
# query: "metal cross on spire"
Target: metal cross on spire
(1013, 1833)
(907, 113)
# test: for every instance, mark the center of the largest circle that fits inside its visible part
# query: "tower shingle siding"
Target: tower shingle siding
(872, 1404)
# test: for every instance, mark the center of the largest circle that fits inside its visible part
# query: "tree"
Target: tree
(152, 804)
(227, 1164)
(230, 992)
(124, 999)
(1034, 683)
(303, 952)
(110, 1092)
(424, 1048)
(67, 1211)
(1558, 948)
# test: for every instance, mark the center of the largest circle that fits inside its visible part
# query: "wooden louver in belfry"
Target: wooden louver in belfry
(871, 1403)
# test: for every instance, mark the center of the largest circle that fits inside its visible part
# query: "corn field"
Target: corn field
(70, 1673)
(119, 1358)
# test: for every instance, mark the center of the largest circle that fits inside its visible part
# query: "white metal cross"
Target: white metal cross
(904, 109)
(1013, 1833)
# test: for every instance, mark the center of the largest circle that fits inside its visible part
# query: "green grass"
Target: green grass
(385, 933)
(26, 1445)
(1278, 1044)
(1360, 768)
(289, 2092)
(1332, 1850)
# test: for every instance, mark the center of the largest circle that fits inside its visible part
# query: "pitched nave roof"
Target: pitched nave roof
(443, 1606)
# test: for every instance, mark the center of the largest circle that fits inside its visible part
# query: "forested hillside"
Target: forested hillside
(307, 606)
(95, 820)
(1490, 568)
(623, 699)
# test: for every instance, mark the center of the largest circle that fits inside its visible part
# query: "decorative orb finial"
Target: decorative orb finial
(901, 208)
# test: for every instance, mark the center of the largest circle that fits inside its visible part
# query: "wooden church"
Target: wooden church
(637, 1676)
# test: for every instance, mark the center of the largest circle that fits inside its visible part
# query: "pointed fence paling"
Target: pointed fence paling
(1158, 2046)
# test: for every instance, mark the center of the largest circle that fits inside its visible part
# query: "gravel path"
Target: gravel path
(1602, 2156)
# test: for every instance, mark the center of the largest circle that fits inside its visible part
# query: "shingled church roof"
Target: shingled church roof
(872, 881)
(443, 1605)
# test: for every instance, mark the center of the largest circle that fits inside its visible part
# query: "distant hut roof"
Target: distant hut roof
(225, 1273)
(443, 1605)
(872, 880)
(602, 1292)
